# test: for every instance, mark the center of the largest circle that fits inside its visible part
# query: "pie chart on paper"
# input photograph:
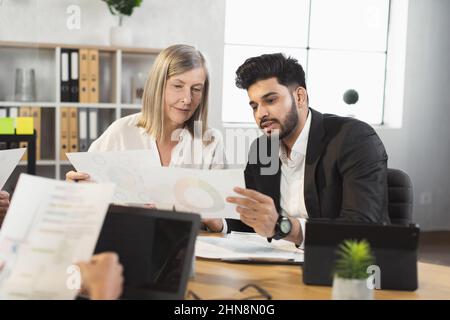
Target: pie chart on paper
(197, 195)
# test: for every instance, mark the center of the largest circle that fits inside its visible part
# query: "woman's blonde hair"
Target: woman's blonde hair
(172, 61)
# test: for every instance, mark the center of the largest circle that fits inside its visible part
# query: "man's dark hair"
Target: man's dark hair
(287, 71)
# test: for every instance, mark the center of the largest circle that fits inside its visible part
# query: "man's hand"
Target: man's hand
(4, 205)
(102, 277)
(213, 225)
(256, 210)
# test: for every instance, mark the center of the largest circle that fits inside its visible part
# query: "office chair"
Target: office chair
(400, 197)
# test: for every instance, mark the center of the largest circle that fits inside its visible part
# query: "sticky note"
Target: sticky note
(24, 125)
(7, 125)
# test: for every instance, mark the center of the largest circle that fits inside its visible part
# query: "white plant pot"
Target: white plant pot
(121, 36)
(351, 289)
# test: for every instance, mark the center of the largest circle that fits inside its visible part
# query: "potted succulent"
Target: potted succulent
(121, 35)
(350, 274)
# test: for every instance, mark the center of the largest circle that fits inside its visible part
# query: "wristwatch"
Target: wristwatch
(282, 228)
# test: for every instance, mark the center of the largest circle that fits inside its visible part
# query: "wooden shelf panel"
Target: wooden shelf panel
(27, 104)
(131, 106)
(30, 45)
(13, 44)
(40, 163)
(60, 104)
(88, 105)
(47, 163)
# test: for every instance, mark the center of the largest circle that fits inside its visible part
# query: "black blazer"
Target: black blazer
(345, 172)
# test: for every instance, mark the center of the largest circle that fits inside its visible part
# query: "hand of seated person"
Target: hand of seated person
(73, 176)
(4, 205)
(213, 225)
(102, 277)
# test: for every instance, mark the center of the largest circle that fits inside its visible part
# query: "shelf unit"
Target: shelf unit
(116, 63)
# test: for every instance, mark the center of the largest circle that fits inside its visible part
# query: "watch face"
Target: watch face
(285, 226)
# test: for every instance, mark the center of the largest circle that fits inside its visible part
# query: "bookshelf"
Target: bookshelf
(116, 67)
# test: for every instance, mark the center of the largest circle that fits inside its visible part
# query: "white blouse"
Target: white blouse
(124, 134)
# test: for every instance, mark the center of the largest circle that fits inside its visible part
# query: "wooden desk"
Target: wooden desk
(222, 280)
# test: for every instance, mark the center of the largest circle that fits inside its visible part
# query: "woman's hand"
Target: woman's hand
(73, 176)
(4, 205)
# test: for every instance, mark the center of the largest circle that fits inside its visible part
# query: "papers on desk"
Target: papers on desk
(49, 226)
(247, 247)
(9, 160)
(140, 182)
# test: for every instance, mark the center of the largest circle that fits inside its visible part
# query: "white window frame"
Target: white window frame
(394, 69)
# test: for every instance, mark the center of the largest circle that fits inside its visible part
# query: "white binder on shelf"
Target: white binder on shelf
(93, 125)
(65, 75)
(13, 112)
(83, 129)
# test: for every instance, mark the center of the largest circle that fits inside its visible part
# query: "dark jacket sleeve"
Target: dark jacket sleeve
(238, 225)
(362, 162)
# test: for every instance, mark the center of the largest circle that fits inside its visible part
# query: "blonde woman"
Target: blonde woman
(173, 121)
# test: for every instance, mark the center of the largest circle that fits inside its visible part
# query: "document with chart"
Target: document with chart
(138, 181)
(247, 247)
(9, 160)
(50, 225)
(129, 170)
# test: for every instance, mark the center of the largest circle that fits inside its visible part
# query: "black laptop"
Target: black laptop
(394, 248)
(155, 247)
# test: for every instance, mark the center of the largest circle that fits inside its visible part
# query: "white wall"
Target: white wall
(421, 147)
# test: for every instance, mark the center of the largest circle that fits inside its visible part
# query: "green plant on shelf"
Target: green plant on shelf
(122, 8)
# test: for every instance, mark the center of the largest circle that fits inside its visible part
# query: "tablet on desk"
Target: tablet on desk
(155, 248)
(394, 248)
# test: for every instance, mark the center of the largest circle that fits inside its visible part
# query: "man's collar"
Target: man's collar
(301, 144)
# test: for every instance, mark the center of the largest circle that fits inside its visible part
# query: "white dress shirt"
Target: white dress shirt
(292, 180)
(292, 200)
(124, 134)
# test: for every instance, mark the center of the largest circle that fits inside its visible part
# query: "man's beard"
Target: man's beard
(289, 124)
